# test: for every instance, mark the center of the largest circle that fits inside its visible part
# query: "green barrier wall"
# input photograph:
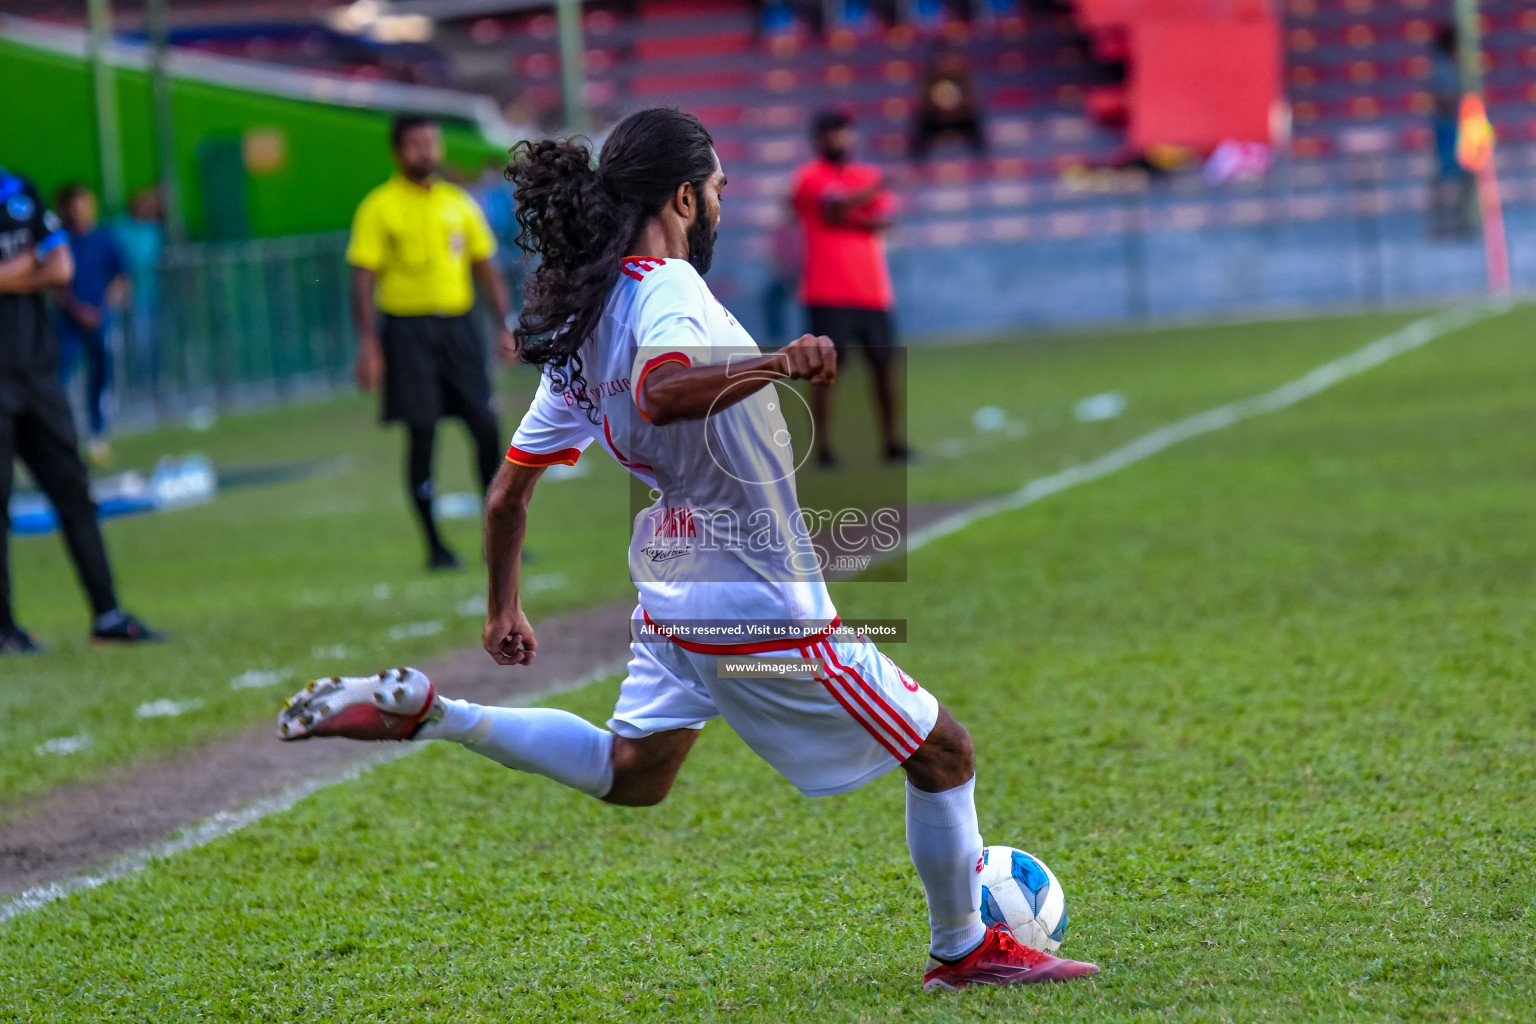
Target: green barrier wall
(333, 154)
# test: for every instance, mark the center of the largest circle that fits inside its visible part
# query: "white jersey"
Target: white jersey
(724, 541)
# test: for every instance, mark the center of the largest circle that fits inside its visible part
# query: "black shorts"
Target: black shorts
(847, 326)
(434, 366)
(36, 394)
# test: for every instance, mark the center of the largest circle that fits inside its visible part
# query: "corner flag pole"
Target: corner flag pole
(1474, 151)
(1474, 145)
(1495, 245)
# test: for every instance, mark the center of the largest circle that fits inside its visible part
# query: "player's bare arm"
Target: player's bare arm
(508, 635)
(24, 272)
(673, 392)
(370, 354)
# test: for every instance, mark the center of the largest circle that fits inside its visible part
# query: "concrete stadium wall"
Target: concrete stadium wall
(1164, 276)
(1184, 275)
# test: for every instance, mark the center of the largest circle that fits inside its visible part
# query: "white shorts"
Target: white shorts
(862, 717)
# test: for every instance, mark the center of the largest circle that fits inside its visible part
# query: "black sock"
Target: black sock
(418, 477)
(489, 452)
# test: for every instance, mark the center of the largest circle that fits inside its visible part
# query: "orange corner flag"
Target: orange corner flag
(1474, 135)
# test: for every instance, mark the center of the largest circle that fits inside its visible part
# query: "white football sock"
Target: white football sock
(945, 843)
(544, 741)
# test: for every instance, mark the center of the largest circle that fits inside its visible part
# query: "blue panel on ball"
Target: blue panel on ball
(1061, 926)
(991, 913)
(1032, 879)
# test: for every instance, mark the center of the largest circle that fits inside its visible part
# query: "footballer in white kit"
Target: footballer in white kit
(640, 358)
(719, 548)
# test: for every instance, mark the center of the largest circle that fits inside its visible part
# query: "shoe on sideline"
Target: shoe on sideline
(16, 641)
(119, 627)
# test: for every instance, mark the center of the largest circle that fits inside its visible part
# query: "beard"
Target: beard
(701, 242)
(421, 170)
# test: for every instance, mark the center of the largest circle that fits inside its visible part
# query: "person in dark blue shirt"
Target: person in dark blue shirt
(1450, 215)
(36, 425)
(85, 304)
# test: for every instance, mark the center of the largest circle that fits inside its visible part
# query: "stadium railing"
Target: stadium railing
(237, 324)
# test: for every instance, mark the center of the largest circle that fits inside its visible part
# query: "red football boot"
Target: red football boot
(388, 706)
(1002, 959)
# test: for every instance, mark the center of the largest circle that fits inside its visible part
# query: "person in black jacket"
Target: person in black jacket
(36, 425)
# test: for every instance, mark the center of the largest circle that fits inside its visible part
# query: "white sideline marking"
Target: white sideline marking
(63, 746)
(167, 708)
(205, 831)
(255, 678)
(225, 822)
(414, 629)
(1405, 339)
(1107, 405)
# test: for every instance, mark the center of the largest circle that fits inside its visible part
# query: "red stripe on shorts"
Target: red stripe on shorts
(853, 714)
(870, 719)
(875, 695)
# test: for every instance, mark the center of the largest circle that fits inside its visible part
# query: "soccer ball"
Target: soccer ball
(1020, 891)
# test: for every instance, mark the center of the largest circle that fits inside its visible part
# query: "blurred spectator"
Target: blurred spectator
(419, 247)
(845, 208)
(1237, 161)
(948, 106)
(781, 19)
(494, 194)
(1450, 192)
(856, 16)
(85, 307)
(142, 237)
(786, 259)
(36, 425)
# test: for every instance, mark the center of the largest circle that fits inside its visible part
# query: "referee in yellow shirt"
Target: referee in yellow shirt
(419, 245)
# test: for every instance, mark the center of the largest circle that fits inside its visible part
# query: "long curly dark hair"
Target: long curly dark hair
(582, 220)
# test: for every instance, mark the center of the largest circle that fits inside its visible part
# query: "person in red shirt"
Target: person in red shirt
(845, 208)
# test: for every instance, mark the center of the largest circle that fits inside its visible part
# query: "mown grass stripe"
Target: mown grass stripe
(1406, 339)
(225, 822)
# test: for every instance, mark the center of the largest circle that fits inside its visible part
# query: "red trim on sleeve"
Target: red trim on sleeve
(651, 364)
(756, 647)
(538, 460)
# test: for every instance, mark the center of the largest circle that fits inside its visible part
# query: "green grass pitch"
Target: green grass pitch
(1263, 702)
